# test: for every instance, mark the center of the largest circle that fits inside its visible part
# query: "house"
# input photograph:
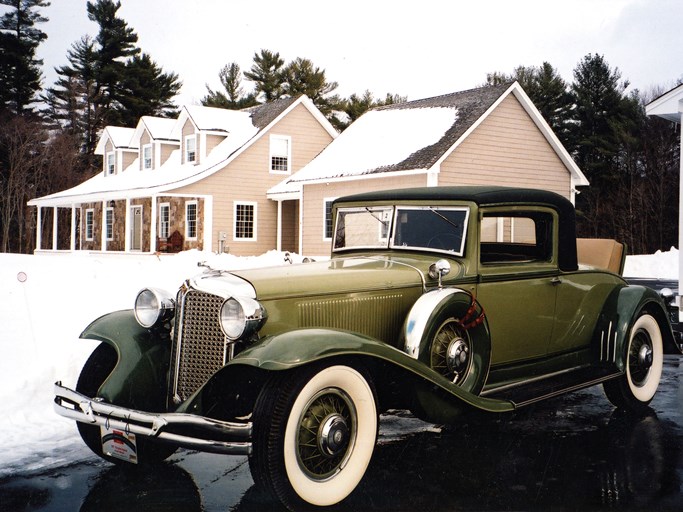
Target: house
(669, 106)
(490, 135)
(198, 181)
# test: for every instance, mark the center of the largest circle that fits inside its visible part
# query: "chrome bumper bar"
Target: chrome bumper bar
(211, 434)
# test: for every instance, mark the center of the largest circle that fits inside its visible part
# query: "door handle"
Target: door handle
(555, 281)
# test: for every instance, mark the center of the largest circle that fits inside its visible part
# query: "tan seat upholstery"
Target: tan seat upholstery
(601, 253)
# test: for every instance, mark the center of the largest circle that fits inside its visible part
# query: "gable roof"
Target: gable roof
(120, 137)
(415, 136)
(243, 128)
(668, 106)
(159, 128)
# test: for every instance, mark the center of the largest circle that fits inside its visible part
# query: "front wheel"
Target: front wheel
(95, 371)
(314, 434)
(644, 360)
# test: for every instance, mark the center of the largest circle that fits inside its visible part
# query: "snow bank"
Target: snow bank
(46, 302)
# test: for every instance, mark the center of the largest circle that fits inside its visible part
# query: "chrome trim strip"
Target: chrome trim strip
(179, 341)
(73, 405)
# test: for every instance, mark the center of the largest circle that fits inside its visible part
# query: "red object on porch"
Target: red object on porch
(173, 243)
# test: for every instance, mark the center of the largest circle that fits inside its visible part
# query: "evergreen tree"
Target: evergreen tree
(20, 74)
(267, 74)
(233, 98)
(355, 106)
(145, 90)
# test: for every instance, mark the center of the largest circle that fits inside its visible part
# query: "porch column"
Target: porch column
(73, 228)
(128, 226)
(55, 214)
(103, 227)
(208, 224)
(279, 226)
(39, 228)
(153, 226)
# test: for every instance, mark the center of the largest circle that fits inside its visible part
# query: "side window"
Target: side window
(245, 222)
(509, 237)
(190, 149)
(89, 226)
(280, 154)
(328, 221)
(191, 220)
(147, 156)
(111, 163)
(164, 220)
(109, 223)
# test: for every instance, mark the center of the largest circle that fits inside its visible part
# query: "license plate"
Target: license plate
(119, 444)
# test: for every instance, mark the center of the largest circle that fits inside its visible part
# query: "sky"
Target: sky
(416, 49)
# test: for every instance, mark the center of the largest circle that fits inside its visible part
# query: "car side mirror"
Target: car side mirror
(439, 269)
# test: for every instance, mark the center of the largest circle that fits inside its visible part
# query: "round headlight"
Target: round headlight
(153, 307)
(233, 319)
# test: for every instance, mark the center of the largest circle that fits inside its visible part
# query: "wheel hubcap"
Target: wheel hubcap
(457, 355)
(333, 435)
(640, 359)
(450, 353)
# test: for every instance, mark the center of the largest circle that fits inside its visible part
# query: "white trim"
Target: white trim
(196, 220)
(143, 158)
(108, 209)
(160, 217)
(325, 201)
(55, 226)
(72, 244)
(272, 141)
(110, 155)
(208, 222)
(254, 236)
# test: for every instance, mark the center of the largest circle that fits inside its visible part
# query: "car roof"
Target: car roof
(490, 196)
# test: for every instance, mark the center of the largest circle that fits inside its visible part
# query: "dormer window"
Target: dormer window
(110, 166)
(280, 154)
(191, 149)
(147, 156)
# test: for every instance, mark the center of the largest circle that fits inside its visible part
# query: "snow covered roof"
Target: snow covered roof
(120, 137)
(413, 136)
(244, 128)
(159, 128)
(668, 106)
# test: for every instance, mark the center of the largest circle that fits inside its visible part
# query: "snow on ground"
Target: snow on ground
(48, 299)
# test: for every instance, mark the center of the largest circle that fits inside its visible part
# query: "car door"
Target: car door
(518, 275)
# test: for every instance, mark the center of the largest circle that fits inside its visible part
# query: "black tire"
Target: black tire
(95, 371)
(315, 430)
(461, 354)
(635, 389)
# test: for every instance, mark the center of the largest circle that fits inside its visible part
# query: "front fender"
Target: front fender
(620, 312)
(139, 378)
(297, 348)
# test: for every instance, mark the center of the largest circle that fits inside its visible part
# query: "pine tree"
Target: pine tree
(267, 74)
(145, 90)
(233, 98)
(20, 74)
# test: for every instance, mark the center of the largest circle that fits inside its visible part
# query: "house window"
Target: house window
(147, 156)
(280, 154)
(191, 220)
(109, 223)
(89, 224)
(191, 149)
(327, 216)
(245, 221)
(165, 220)
(111, 163)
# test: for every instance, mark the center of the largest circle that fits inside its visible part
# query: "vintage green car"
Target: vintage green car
(446, 301)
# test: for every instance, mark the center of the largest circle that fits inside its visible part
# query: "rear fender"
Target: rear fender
(619, 313)
(138, 380)
(304, 346)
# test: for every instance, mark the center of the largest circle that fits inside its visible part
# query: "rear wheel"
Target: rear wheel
(314, 434)
(95, 371)
(644, 360)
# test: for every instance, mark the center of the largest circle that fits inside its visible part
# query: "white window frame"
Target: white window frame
(110, 163)
(90, 224)
(108, 223)
(147, 158)
(326, 201)
(273, 153)
(167, 207)
(186, 150)
(236, 205)
(187, 220)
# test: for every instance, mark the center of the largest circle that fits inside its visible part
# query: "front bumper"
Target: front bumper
(184, 430)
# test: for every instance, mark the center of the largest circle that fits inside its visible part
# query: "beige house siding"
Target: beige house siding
(166, 150)
(314, 197)
(507, 148)
(212, 141)
(248, 178)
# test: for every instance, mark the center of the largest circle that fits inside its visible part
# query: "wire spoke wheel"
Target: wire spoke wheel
(327, 431)
(640, 357)
(451, 351)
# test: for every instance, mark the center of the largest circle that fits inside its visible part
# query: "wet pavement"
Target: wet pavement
(571, 453)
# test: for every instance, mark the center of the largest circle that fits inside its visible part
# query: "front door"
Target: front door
(136, 228)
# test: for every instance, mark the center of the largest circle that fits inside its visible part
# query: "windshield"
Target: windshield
(435, 228)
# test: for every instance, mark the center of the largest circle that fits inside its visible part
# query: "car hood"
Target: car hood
(339, 275)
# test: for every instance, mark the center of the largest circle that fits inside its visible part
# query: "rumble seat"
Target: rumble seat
(601, 253)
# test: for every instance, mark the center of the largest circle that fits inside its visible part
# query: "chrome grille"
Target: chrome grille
(199, 348)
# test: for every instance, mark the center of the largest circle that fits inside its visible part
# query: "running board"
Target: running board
(542, 388)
